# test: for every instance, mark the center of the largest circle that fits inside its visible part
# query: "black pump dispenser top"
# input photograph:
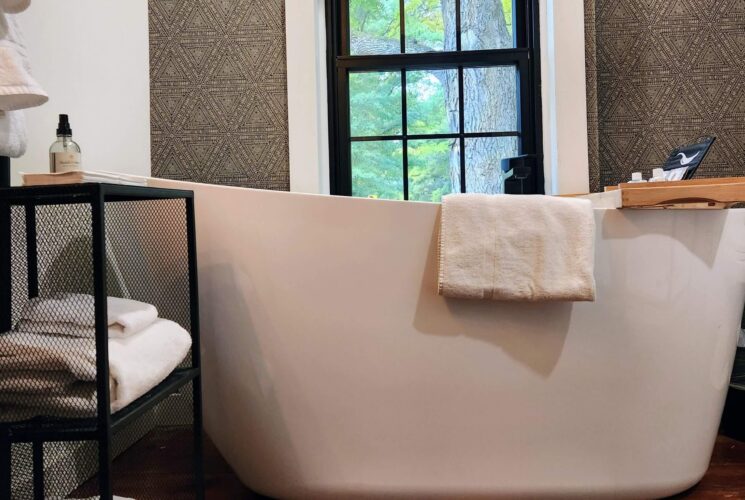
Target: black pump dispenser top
(63, 128)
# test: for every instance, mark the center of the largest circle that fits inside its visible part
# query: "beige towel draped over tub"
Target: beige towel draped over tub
(517, 248)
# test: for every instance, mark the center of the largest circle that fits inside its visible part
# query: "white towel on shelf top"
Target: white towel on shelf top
(18, 89)
(517, 248)
(73, 314)
(136, 363)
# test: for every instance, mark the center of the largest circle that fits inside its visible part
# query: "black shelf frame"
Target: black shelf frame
(734, 408)
(101, 428)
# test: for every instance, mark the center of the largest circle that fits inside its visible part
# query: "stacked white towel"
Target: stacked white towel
(53, 372)
(18, 89)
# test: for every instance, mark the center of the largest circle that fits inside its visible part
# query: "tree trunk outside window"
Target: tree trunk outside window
(491, 101)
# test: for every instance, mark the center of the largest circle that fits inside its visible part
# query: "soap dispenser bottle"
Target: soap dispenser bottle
(64, 153)
(658, 175)
(636, 177)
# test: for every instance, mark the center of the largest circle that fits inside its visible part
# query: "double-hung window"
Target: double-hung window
(426, 97)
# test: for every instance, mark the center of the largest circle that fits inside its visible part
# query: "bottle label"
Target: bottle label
(66, 161)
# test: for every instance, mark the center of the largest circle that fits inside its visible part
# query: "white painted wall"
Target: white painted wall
(564, 94)
(91, 56)
(563, 81)
(306, 96)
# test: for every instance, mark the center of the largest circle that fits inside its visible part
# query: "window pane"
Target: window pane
(374, 27)
(375, 104)
(490, 96)
(434, 166)
(483, 163)
(377, 169)
(432, 102)
(486, 24)
(430, 25)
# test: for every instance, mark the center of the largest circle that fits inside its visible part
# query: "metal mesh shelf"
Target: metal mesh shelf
(87, 428)
(91, 241)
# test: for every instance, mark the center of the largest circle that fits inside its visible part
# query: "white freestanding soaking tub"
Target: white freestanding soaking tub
(333, 370)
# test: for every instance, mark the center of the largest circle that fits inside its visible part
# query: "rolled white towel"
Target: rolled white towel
(73, 314)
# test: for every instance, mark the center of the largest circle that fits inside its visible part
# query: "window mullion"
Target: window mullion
(344, 173)
(344, 35)
(402, 24)
(404, 129)
(524, 110)
(435, 60)
(404, 117)
(458, 41)
(462, 129)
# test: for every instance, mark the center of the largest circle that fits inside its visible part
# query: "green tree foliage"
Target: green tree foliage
(375, 18)
(376, 171)
(376, 102)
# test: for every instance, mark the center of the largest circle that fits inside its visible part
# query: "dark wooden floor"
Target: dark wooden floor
(163, 454)
(160, 465)
(726, 475)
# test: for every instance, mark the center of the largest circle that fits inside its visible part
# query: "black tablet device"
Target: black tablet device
(684, 160)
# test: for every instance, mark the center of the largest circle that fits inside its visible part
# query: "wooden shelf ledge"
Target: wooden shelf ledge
(699, 194)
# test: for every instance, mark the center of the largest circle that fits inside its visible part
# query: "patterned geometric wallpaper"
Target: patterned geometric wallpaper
(662, 73)
(219, 92)
(591, 75)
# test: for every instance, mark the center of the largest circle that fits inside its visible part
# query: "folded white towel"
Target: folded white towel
(129, 316)
(18, 89)
(35, 382)
(141, 361)
(73, 314)
(521, 248)
(24, 351)
(74, 400)
(13, 137)
(136, 364)
(78, 400)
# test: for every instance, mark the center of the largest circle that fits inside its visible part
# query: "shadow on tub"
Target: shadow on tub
(533, 334)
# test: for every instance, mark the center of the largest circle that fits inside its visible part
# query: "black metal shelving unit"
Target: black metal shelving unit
(4, 171)
(78, 238)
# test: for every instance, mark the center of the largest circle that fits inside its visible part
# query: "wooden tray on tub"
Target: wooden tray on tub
(706, 194)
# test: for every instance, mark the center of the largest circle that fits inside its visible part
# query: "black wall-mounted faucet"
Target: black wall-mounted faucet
(520, 174)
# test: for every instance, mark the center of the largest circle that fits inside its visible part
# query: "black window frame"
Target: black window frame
(525, 57)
